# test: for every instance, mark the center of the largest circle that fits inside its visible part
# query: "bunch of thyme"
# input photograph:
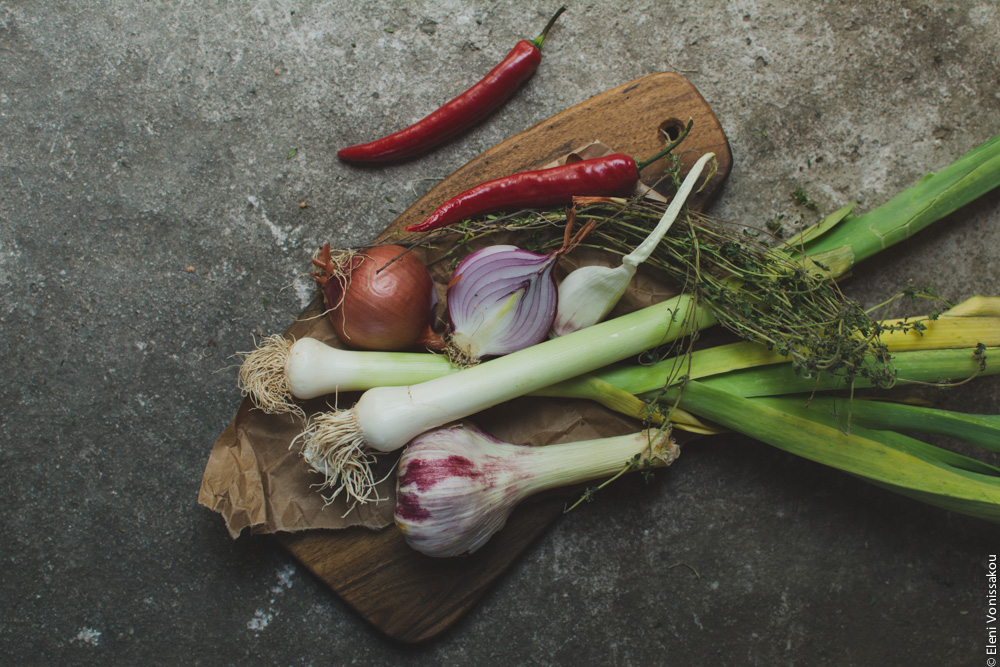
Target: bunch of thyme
(744, 276)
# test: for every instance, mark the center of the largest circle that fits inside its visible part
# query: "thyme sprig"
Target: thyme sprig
(746, 277)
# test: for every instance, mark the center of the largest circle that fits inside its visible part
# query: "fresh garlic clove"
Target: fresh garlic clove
(588, 294)
(586, 299)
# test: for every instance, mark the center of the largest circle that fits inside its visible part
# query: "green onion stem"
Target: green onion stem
(865, 453)
(980, 430)
(918, 366)
(935, 196)
(899, 336)
(841, 416)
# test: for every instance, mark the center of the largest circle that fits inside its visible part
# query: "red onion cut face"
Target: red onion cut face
(501, 299)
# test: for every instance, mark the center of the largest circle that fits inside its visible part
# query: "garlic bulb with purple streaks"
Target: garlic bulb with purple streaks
(457, 484)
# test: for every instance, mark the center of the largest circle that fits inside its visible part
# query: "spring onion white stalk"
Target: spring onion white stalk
(340, 442)
(281, 370)
(457, 485)
(589, 293)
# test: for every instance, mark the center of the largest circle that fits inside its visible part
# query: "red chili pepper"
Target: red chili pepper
(462, 112)
(607, 176)
(615, 174)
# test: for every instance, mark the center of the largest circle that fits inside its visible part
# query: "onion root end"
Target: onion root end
(262, 377)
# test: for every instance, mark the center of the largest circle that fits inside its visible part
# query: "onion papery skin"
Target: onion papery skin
(380, 299)
(501, 299)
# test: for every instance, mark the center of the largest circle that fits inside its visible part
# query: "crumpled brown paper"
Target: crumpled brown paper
(256, 479)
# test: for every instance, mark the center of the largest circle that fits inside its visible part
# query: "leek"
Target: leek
(980, 430)
(932, 198)
(886, 459)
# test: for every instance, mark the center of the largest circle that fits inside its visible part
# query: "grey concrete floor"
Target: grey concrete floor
(150, 226)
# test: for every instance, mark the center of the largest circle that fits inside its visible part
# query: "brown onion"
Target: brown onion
(381, 298)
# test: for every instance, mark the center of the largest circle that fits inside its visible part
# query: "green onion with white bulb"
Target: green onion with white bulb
(589, 293)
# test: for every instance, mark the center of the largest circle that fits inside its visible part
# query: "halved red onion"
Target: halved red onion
(501, 299)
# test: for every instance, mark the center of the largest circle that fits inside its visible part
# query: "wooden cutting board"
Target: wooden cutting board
(411, 597)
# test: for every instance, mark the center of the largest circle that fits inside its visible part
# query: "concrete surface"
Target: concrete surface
(150, 224)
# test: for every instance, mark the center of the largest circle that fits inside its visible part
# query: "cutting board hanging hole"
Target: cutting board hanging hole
(671, 129)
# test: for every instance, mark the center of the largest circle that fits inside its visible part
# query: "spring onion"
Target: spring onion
(589, 293)
(279, 371)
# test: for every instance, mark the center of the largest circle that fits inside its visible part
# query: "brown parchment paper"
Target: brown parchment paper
(256, 479)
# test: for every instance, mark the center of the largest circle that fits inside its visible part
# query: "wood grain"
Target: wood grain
(411, 597)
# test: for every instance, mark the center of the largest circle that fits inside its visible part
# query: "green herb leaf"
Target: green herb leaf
(800, 196)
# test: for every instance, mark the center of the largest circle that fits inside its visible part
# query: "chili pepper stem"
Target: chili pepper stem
(671, 146)
(537, 41)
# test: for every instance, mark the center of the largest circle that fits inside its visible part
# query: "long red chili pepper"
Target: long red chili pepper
(606, 176)
(615, 174)
(462, 112)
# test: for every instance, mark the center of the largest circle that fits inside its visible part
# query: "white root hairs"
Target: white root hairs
(332, 444)
(457, 356)
(262, 377)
